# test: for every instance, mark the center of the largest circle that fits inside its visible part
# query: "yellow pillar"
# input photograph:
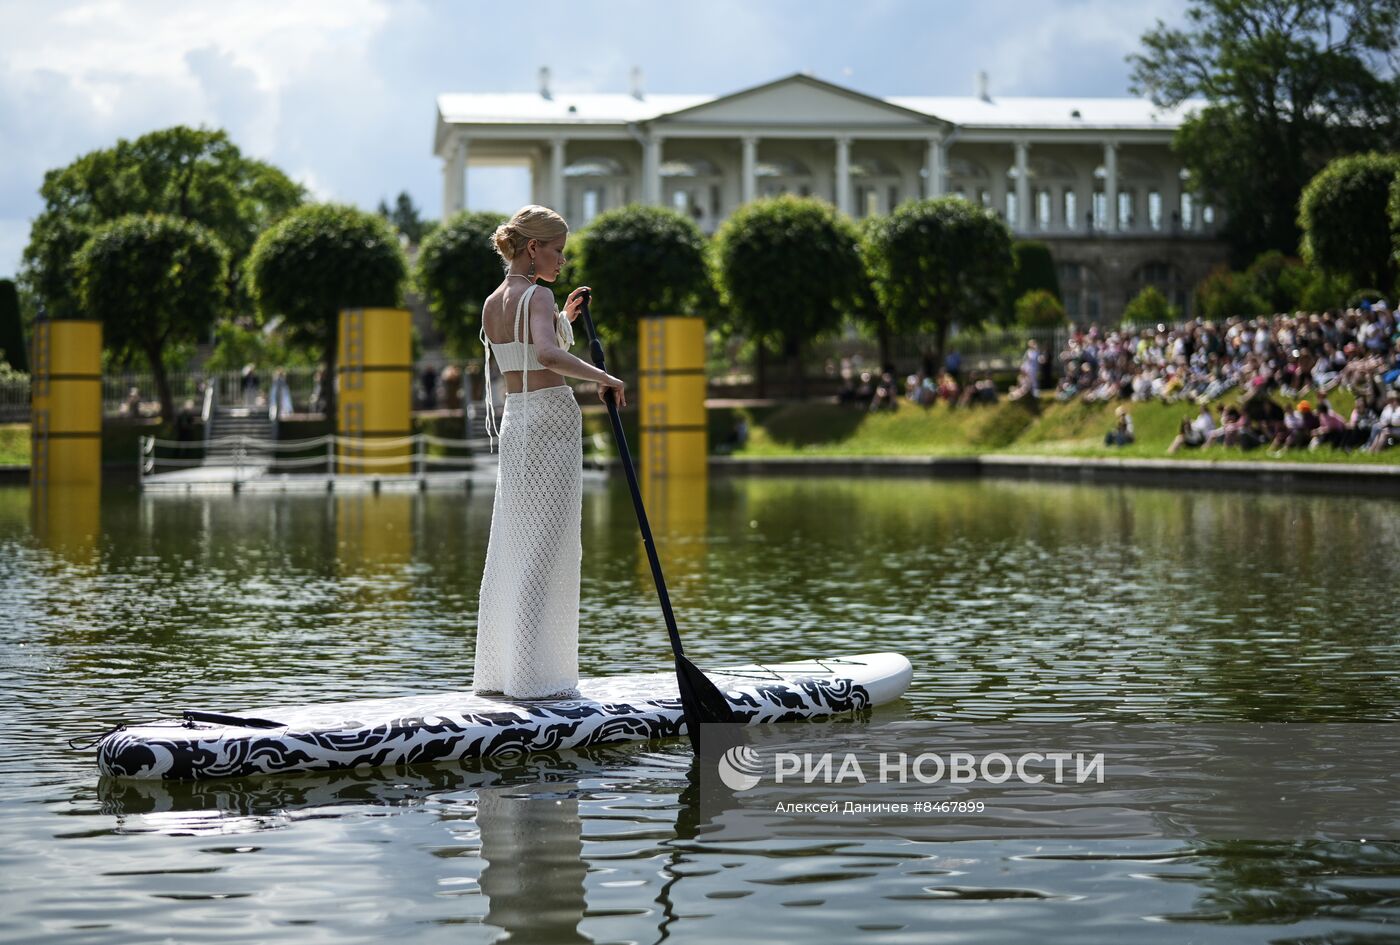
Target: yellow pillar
(66, 411)
(674, 447)
(374, 394)
(672, 376)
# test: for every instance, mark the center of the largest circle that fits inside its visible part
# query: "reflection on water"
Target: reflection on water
(1015, 602)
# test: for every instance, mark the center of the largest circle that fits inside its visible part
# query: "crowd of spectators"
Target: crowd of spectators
(1300, 358)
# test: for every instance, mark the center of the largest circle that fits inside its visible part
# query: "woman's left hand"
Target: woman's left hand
(574, 304)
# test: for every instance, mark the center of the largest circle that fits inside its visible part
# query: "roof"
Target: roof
(964, 111)
(563, 107)
(1026, 112)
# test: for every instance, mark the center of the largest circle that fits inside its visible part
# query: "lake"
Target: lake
(1017, 603)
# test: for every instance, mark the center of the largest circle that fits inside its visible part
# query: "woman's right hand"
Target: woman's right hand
(614, 384)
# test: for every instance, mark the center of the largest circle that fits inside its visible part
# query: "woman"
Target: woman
(527, 628)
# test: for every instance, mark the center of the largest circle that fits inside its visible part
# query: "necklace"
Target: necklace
(519, 275)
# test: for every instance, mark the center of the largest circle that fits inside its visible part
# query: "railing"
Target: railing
(240, 457)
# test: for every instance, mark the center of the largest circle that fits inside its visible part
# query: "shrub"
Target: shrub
(1039, 308)
(1035, 269)
(1150, 305)
(1224, 294)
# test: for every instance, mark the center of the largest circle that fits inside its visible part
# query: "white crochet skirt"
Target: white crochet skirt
(527, 626)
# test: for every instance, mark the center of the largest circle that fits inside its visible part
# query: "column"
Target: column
(935, 162)
(556, 175)
(651, 170)
(1023, 187)
(454, 178)
(1110, 186)
(748, 175)
(843, 175)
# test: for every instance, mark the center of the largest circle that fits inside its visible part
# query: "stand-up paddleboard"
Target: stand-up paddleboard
(448, 726)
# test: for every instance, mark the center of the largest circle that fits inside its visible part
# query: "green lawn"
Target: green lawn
(14, 444)
(1054, 429)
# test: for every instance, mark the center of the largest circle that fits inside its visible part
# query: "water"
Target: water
(1016, 602)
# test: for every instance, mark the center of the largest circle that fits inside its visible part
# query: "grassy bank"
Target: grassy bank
(826, 429)
(1044, 429)
(14, 444)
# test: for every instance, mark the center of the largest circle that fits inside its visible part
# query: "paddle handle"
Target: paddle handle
(595, 350)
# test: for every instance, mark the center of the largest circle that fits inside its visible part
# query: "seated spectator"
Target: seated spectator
(947, 389)
(1296, 430)
(1386, 432)
(886, 397)
(1194, 433)
(1331, 429)
(1233, 425)
(1122, 432)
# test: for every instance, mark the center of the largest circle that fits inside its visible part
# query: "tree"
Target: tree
(457, 269)
(318, 260)
(938, 261)
(153, 281)
(1149, 306)
(1345, 220)
(641, 261)
(407, 218)
(12, 347)
(1039, 308)
(197, 175)
(1289, 84)
(789, 269)
(1035, 268)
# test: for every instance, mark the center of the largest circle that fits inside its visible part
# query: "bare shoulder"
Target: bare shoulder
(542, 300)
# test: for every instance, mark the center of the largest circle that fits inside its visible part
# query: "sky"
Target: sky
(341, 94)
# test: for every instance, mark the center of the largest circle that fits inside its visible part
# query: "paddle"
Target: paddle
(701, 699)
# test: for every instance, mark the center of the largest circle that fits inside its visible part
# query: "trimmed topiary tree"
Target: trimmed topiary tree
(458, 267)
(640, 261)
(13, 349)
(790, 269)
(153, 281)
(318, 260)
(1345, 221)
(1035, 269)
(938, 261)
(1039, 308)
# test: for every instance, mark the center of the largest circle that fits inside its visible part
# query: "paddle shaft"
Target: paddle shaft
(595, 349)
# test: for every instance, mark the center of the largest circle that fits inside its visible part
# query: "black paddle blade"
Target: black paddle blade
(701, 698)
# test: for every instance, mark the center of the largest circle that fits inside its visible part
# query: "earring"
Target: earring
(530, 274)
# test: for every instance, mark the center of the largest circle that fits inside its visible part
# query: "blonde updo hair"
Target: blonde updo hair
(529, 223)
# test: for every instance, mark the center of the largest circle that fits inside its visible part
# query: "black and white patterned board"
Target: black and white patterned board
(447, 726)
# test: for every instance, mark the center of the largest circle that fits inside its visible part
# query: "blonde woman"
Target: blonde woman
(527, 626)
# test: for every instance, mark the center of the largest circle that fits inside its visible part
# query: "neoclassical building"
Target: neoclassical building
(1093, 177)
